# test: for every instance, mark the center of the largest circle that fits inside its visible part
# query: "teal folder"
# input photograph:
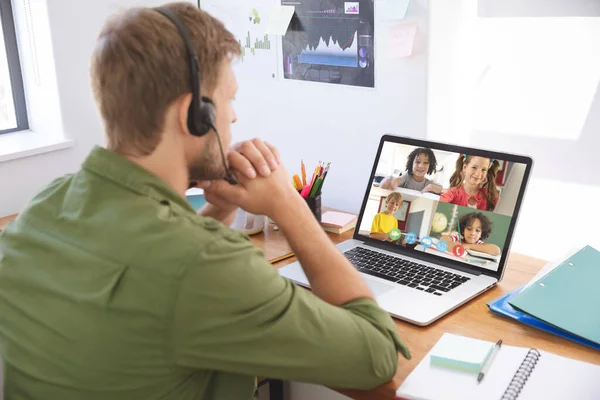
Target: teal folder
(196, 200)
(568, 297)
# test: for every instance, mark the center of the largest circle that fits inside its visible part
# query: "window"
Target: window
(13, 112)
(540, 67)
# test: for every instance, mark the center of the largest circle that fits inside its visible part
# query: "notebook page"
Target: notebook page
(430, 382)
(556, 377)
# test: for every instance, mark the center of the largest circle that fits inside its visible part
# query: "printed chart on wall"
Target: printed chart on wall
(248, 21)
(330, 41)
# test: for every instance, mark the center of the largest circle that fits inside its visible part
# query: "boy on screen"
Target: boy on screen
(420, 162)
(474, 228)
(385, 221)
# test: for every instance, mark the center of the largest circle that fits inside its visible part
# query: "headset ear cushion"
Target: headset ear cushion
(201, 116)
(205, 115)
(208, 110)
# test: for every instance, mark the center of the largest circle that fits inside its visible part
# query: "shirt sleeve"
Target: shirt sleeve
(376, 225)
(448, 196)
(234, 313)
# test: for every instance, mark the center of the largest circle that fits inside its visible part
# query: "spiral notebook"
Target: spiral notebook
(517, 373)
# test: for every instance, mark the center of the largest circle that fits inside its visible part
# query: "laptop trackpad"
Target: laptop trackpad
(377, 287)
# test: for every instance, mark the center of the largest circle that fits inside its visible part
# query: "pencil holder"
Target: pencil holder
(314, 203)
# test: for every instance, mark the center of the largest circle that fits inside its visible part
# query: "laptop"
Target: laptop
(436, 231)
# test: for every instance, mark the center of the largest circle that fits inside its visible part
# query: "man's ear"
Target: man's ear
(183, 107)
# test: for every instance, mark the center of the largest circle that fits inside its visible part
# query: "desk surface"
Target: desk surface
(472, 319)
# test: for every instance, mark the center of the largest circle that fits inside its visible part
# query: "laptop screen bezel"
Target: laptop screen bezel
(431, 258)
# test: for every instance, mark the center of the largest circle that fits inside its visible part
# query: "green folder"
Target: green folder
(568, 297)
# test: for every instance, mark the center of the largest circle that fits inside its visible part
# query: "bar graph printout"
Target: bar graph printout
(248, 20)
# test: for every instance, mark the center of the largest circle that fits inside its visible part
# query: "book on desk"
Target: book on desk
(338, 222)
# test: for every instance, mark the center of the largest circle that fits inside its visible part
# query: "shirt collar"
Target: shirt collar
(126, 173)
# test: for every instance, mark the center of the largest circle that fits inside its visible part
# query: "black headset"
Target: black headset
(201, 115)
(202, 112)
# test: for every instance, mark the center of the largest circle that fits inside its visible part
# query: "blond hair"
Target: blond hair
(140, 67)
(394, 196)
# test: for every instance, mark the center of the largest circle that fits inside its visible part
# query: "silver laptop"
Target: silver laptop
(435, 225)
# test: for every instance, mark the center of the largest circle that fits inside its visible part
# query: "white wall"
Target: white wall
(338, 123)
(478, 71)
(510, 192)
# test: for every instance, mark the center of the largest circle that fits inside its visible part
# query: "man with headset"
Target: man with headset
(112, 287)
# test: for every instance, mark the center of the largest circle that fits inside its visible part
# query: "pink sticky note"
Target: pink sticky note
(401, 39)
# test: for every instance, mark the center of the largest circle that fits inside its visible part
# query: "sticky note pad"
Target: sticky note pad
(461, 353)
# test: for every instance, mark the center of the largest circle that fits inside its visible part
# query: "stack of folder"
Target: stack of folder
(564, 301)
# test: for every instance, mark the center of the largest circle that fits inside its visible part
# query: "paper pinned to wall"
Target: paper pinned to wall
(392, 9)
(401, 39)
(280, 19)
(248, 22)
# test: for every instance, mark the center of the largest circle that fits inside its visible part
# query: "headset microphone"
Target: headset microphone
(228, 175)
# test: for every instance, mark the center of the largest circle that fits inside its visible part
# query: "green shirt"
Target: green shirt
(112, 287)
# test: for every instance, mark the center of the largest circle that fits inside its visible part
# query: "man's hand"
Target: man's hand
(254, 157)
(250, 158)
(261, 195)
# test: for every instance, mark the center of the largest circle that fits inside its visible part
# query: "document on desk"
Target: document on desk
(516, 373)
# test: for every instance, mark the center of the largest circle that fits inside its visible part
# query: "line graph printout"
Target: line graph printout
(330, 41)
(248, 21)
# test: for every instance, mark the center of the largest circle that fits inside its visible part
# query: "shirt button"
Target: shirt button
(211, 224)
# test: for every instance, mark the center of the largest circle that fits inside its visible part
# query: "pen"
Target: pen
(489, 361)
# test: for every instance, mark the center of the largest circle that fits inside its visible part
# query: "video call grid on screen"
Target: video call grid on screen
(451, 205)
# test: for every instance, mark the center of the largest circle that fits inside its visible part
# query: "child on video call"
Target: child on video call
(474, 228)
(473, 183)
(385, 221)
(420, 162)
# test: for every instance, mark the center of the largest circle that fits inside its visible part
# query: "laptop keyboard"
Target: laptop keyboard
(404, 272)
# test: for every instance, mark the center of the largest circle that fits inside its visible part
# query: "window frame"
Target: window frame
(14, 67)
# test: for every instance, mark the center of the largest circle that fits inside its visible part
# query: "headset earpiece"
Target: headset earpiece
(202, 115)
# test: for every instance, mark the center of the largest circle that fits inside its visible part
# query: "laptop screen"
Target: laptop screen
(448, 204)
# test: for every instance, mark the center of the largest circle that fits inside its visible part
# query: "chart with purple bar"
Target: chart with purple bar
(248, 21)
(330, 41)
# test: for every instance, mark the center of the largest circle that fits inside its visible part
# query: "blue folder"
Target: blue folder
(502, 307)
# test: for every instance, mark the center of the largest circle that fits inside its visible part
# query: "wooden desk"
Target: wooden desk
(472, 319)
(5, 220)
